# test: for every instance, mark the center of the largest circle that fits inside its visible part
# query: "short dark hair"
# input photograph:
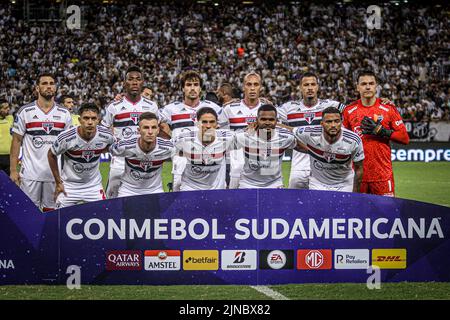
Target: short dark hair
(133, 69)
(364, 73)
(88, 106)
(308, 75)
(331, 110)
(44, 74)
(147, 116)
(64, 97)
(206, 110)
(227, 88)
(190, 75)
(267, 107)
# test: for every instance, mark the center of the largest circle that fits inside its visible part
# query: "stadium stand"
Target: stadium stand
(280, 40)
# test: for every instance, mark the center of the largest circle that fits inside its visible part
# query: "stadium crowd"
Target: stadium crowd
(279, 41)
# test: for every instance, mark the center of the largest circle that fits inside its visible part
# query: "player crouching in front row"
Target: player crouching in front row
(332, 151)
(80, 180)
(144, 158)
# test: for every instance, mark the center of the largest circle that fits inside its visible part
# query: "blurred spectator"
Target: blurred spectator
(279, 41)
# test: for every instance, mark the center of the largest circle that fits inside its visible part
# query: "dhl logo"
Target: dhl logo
(389, 258)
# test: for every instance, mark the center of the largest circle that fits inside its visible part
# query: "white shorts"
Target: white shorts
(178, 165)
(40, 192)
(237, 162)
(116, 169)
(314, 184)
(299, 179)
(275, 185)
(79, 194)
(126, 192)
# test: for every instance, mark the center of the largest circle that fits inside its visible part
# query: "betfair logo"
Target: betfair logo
(200, 260)
(389, 258)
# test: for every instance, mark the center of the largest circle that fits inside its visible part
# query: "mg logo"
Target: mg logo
(314, 259)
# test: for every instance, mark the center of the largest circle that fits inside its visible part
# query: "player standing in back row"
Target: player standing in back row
(181, 117)
(36, 127)
(123, 117)
(378, 124)
(306, 112)
(240, 114)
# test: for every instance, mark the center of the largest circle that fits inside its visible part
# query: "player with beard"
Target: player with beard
(332, 151)
(36, 128)
(264, 145)
(123, 117)
(305, 112)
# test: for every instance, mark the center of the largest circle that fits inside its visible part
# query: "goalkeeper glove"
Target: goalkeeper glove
(369, 126)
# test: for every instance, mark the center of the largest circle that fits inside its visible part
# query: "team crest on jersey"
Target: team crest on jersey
(309, 117)
(134, 117)
(329, 156)
(378, 117)
(194, 116)
(87, 155)
(48, 126)
(145, 164)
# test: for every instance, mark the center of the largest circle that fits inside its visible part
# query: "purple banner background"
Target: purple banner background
(41, 251)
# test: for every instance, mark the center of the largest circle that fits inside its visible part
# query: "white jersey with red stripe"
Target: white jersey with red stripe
(239, 115)
(142, 170)
(39, 130)
(80, 160)
(263, 158)
(297, 114)
(123, 117)
(331, 164)
(206, 164)
(182, 118)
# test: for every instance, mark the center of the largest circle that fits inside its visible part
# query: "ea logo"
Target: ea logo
(276, 259)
